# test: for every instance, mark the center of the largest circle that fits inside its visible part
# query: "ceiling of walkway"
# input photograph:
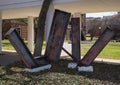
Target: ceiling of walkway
(81, 6)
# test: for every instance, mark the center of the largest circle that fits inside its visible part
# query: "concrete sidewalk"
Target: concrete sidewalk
(8, 57)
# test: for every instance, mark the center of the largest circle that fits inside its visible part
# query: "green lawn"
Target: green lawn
(7, 46)
(112, 50)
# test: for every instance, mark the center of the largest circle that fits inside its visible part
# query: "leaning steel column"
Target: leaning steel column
(41, 28)
(75, 32)
(21, 48)
(0, 31)
(103, 40)
(57, 35)
(49, 18)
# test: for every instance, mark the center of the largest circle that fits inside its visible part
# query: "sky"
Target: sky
(100, 14)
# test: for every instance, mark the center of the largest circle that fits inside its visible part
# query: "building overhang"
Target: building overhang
(25, 8)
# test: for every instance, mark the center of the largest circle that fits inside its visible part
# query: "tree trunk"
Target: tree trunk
(41, 28)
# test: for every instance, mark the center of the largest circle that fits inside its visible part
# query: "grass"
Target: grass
(7, 46)
(111, 51)
(59, 74)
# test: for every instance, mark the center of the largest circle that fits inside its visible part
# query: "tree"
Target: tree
(114, 23)
(93, 27)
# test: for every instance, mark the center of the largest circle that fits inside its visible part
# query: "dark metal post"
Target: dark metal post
(75, 29)
(41, 28)
(68, 53)
(57, 34)
(103, 40)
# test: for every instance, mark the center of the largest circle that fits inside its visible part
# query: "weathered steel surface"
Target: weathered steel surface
(103, 40)
(68, 53)
(21, 48)
(42, 61)
(41, 28)
(57, 34)
(75, 29)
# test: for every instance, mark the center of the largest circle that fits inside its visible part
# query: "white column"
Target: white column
(0, 31)
(30, 33)
(49, 19)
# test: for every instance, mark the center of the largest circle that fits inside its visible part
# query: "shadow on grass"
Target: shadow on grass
(103, 73)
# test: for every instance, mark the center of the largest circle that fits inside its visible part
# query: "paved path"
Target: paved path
(8, 57)
(11, 56)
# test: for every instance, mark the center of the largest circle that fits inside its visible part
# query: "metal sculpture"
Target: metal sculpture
(55, 43)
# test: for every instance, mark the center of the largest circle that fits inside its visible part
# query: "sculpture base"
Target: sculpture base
(38, 69)
(72, 65)
(85, 68)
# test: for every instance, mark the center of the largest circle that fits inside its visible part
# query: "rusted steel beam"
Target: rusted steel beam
(42, 61)
(21, 48)
(103, 40)
(41, 28)
(75, 29)
(57, 34)
(67, 52)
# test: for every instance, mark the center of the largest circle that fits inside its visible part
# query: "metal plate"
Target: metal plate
(57, 35)
(41, 28)
(75, 30)
(21, 48)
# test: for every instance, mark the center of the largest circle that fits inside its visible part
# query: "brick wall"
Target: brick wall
(24, 32)
(23, 29)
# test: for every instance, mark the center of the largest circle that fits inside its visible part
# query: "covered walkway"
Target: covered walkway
(31, 8)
